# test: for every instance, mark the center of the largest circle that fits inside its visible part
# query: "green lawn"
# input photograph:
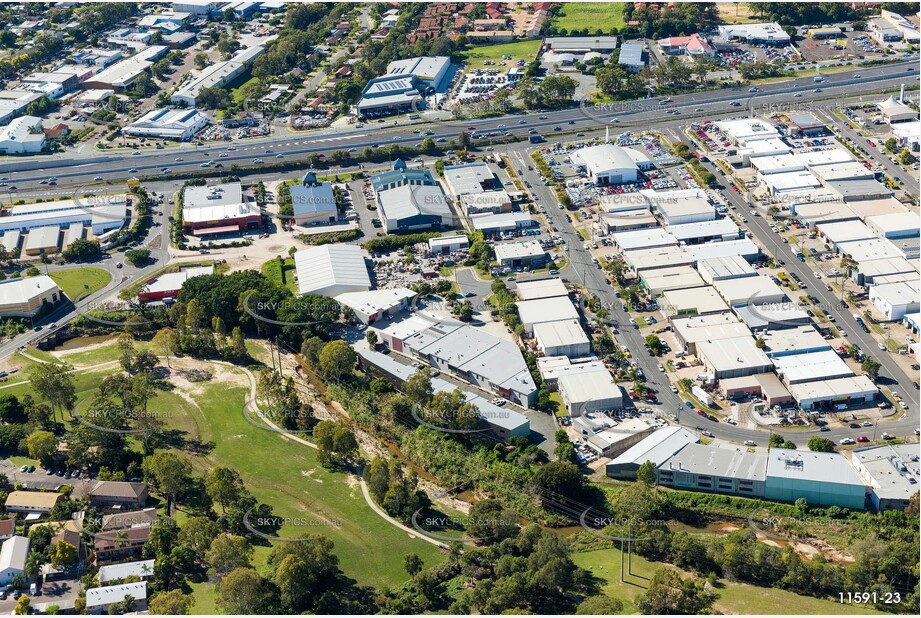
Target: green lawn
(733, 598)
(101, 354)
(281, 274)
(519, 50)
(590, 16)
(78, 282)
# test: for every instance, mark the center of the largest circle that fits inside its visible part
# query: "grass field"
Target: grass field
(590, 16)
(77, 282)
(733, 598)
(519, 50)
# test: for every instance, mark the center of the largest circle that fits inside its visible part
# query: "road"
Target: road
(630, 113)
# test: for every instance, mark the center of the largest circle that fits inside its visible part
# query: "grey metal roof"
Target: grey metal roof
(714, 461)
(811, 466)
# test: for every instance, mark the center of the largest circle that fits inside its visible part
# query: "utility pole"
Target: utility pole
(278, 349)
(272, 354)
(630, 548)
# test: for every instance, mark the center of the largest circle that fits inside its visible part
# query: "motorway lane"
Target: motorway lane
(635, 112)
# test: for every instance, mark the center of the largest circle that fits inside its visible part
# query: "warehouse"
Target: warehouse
(607, 437)
(705, 231)
(552, 367)
(773, 316)
(643, 239)
(811, 367)
(470, 178)
(631, 57)
(14, 103)
(749, 290)
(826, 394)
(589, 391)
(777, 164)
(375, 305)
(895, 225)
(11, 239)
(867, 250)
(501, 223)
(779, 184)
(408, 208)
(844, 231)
(681, 207)
(218, 209)
(869, 272)
(640, 260)
(330, 270)
(581, 44)
(313, 202)
(606, 164)
(43, 240)
(218, 75)
(894, 300)
(178, 124)
(623, 202)
(446, 245)
(768, 33)
(789, 341)
(524, 254)
(401, 175)
(714, 327)
(22, 136)
(73, 234)
(626, 220)
(562, 338)
(764, 385)
(657, 448)
(732, 358)
(24, 298)
(660, 280)
(822, 479)
(540, 288)
(478, 357)
(743, 131)
(727, 267)
(122, 75)
(858, 190)
(806, 124)
(835, 172)
(166, 286)
(491, 202)
(756, 148)
(712, 469)
(534, 312)
(692, 301)
(26, 217)
(891, 472)
(430, 70)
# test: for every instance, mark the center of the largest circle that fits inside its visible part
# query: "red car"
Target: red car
(863, 439)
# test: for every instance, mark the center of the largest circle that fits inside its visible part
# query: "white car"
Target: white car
(866, 424)
(903, 405)
(881, 346)
(848, 441)
(749, 443)
(661, 368)
(817, 275)
(674, 389)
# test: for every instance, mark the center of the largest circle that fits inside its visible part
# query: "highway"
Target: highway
(583, 117)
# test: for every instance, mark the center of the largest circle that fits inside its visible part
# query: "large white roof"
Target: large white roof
(603, 158)
(330, 265)
(811, 366)
(644, 239)
(541, 288)
(747, 290)
(116, 594)
(141, 568)
(733, 353)
(18, 291)
(559, 333)
(546, 310)
(13, 554)
(173, 281)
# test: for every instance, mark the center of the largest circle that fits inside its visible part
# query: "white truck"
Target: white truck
(702, 395)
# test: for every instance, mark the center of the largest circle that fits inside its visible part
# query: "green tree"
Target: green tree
(138, 257)
(224, 486)
(669, 594)
(337, 360)
(600, 605)
(198, 533)
(242, 591)
(227, 553)
(646, 474)
(170, 603)
(870, 367)
(167, 472)
(418, 387)
(42, 445)
(412, 564)
(64, 555)
(491, 521)
(54, 382)
(821, 445)
(558, 477)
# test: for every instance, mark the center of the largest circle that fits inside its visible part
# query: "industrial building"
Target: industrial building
(844, 232)
(14, 103)
(743, 247)
(640, 260)
(748, 290)
(895, 225)
(313, 202)
(811, 366)
(430, 70)
(178, 124)
(656, 448)
(692, 301)
(487, 202)
(562, 338)
(715, 470)
(581, 44)
(524, 254)
(732, 357)
(122, 75)
(22, 136)
(626, 220)
(713, 327)
(773, 316)
(755, 34)
(331, 270)
(765, 385)
(374, 305)
(111, 216)
(414, 207)
(23, 298)
(728, 267)
(540, 288)
(218, 75)
(661, 280)
(401, 175)
(705, 231)
(470, 179)
(166, 287)
(802, 339)
(643, 239)
(553, 309)
(883, 271)
(589, 391)
(891, 471)
(445, 245)
(490, 225)
(827, 394)
(391, 93)
(218, 209)
(681, 206)
(822, 479)
(606, 164)
(609, 437)
(43, 240)
(632, 57)
(894, 300)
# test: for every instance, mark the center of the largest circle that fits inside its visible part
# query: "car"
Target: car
(903, 405)
(709, 434)
(854, 426)
(753, 213)
(133, 170)
(847, 441)
(53, 325)
(257, 161)
(119, 265)
(797, 95)
(842, 334)
(97, 178)
(699, 109)
(49, 472)
(866, 424)
(881, 346)
(660, 368)
(23, 468)
(749, 443)
(674, 388)
(817, 275)
(689, 404)
(824, 428)
(863, 439)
